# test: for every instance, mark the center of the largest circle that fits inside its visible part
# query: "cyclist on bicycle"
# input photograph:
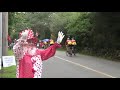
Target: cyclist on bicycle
(68, 44)
(73, 45)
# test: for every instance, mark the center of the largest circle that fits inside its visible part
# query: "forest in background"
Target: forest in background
(96, 33)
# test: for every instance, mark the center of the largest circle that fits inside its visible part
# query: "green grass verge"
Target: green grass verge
(9, 72)
(10, 52)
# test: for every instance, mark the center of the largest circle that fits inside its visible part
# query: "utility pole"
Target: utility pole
(4, 33)
(3, 37)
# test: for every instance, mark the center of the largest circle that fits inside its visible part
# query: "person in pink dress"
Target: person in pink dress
(29, 57)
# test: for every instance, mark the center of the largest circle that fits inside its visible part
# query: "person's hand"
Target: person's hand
(60, 37)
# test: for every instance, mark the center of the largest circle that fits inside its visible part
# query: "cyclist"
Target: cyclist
(73, 45)
(68, 44)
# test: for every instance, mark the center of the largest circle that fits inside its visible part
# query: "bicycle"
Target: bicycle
(69, 51)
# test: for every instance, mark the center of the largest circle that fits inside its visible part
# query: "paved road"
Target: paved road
(80, 66)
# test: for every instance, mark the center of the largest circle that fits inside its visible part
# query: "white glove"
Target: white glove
(24, 35)
(60, 37)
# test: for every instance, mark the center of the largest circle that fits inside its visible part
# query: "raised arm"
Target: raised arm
(49, 52)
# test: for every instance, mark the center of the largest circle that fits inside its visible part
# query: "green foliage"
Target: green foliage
(39, 22)
(16, 23)
(95, 32)
(108, 28)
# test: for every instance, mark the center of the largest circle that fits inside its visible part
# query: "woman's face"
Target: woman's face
(30, 44)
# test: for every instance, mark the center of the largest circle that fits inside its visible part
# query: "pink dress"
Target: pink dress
(29, 60)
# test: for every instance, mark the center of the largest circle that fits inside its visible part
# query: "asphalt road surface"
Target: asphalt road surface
(79, 66)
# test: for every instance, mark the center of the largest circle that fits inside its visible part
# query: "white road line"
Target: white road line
(86, 67)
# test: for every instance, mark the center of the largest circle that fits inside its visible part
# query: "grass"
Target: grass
(8, 72)
(10, 52)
